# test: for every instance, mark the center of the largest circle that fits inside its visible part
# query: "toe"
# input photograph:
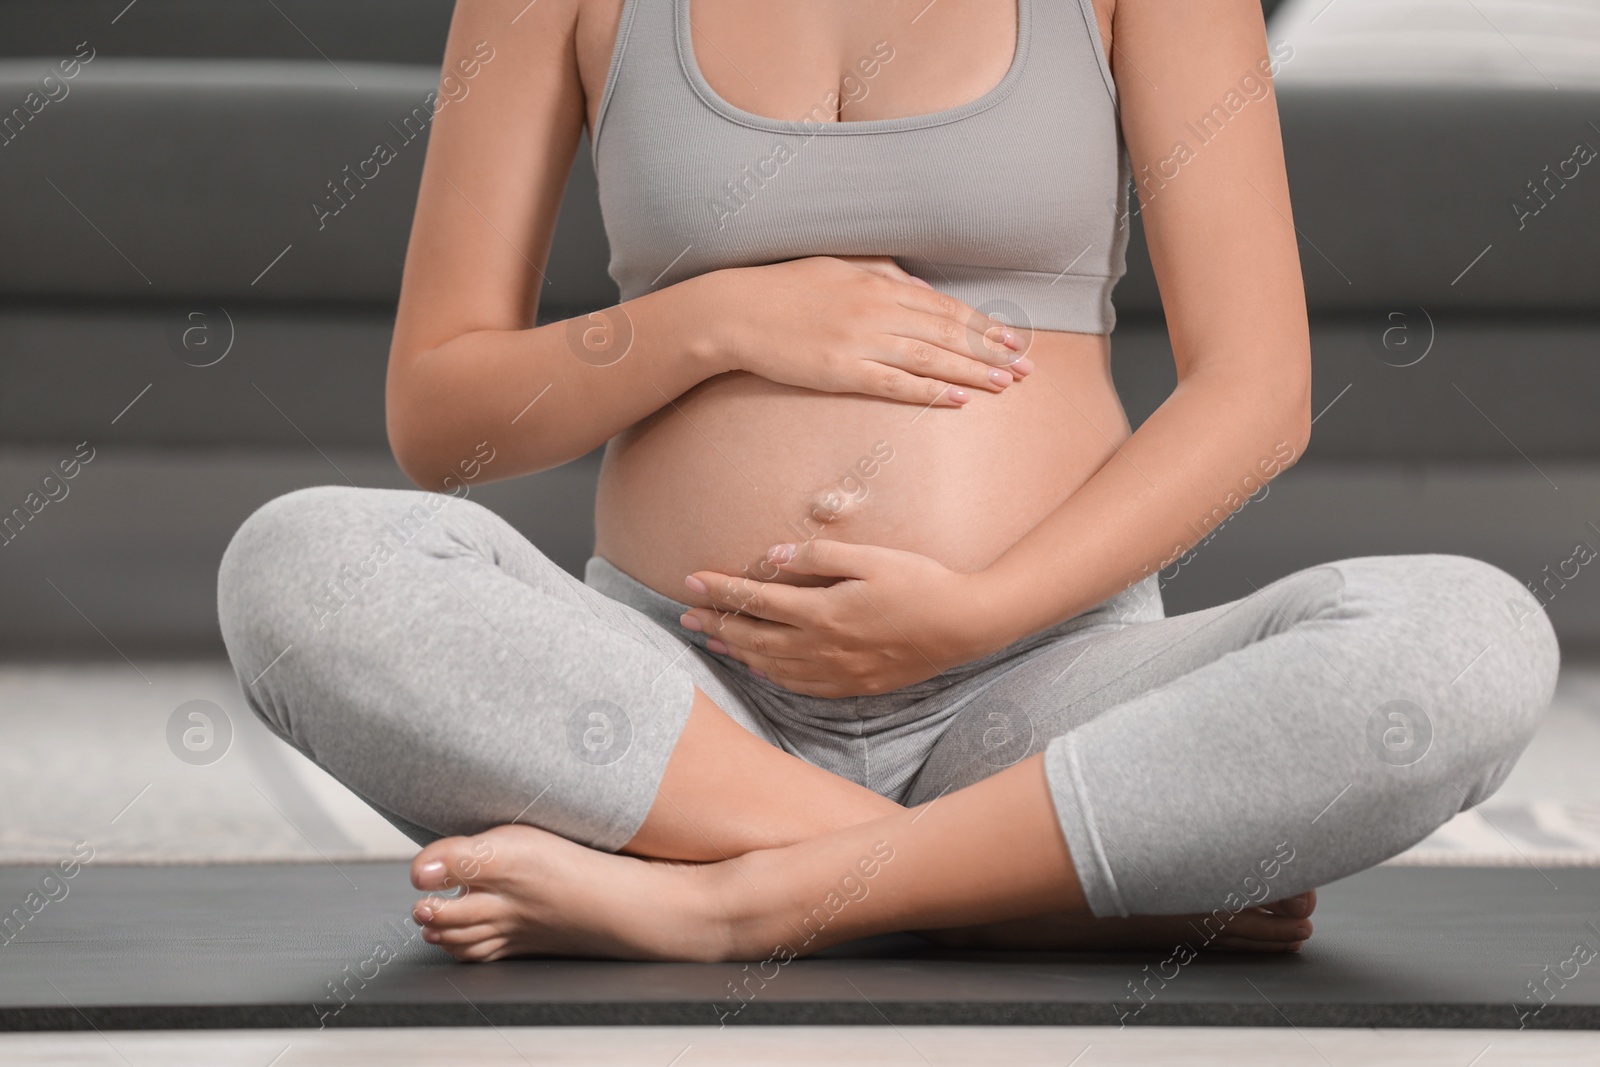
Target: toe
(1295, 907)
(458, 939)
(448, 862)
(484, 951)
(469, 909)
(1256, 924)
(1244, 944)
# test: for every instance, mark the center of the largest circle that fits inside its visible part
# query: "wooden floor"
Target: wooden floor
(738, 1047)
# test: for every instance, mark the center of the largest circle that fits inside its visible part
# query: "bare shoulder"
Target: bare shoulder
(594, 40)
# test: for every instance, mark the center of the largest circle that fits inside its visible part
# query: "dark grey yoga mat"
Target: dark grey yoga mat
(261, 946)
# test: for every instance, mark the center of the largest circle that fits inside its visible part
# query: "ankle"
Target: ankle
(741, 902)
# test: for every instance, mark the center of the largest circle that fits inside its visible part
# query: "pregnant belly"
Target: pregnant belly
(740, 463)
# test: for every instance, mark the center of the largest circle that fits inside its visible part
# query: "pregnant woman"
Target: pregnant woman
(872, 637)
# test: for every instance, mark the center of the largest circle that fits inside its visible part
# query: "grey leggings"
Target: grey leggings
(433, 660)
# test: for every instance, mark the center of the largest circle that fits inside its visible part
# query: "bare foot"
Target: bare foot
(532, 893)
(1281, 926)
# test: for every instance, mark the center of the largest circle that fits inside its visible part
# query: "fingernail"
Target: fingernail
(696, 584)
(999, 377)
(780, 553)
(921, 282)
(1002, 335)
(1022, 366)
(431, 936)
(436, 867)
(690, 622)
(717, 646)
(960, 396)
(423, 915)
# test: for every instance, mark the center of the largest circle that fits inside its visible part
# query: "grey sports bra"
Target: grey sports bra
(1013, 202)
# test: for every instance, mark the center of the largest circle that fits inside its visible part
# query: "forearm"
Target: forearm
(1215, 441)
(543, 396)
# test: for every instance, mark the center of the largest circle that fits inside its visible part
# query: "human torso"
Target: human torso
(740, 463)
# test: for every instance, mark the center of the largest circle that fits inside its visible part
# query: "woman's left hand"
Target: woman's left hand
(894, 618)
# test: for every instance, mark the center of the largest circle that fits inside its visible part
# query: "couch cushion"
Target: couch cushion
(1513, 44)
(385, 31)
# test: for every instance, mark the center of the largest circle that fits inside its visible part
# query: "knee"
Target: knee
(272, 546)
(285, 558)
(1484, 609)
(1495, 657)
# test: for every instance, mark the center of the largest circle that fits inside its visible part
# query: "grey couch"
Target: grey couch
(169, 295)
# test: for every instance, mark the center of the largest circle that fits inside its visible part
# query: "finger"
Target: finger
(728, 635)
(764, 600)
(829, 559)
(801, 676)
(785, 672)
(885, 266)
(791, 671)
(892, 383)
(922, 353)
(983, 336)
(974, 336)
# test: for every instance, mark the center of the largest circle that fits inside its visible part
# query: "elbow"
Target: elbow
(1297, 417)
(433, 464)
(416, 451)
(1296, 433)
(414, 461)
(429, 471)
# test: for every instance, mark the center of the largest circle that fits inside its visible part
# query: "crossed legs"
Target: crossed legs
(785, 845)
(1192, 764)
(431, 659)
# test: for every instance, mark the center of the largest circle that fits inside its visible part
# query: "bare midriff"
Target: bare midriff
(740, 463)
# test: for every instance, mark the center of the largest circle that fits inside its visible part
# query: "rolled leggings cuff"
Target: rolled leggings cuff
(627, 800)
(1075, 813)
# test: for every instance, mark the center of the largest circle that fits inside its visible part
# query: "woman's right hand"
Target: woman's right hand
(861, 324)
